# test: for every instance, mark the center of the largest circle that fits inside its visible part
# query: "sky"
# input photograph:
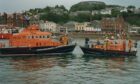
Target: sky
(11, 6)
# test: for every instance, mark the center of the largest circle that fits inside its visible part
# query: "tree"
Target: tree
(133, 19)
(88, 6)
(50, 16)
(139, 31)
(43, 16)
(63, 7)
(81, 17)
(46, 9)
(115, 12)
(131, 8)
(97, 17)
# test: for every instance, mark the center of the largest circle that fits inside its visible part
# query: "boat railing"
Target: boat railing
(117, 45)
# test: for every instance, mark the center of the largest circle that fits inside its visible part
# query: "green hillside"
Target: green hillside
(88, 5)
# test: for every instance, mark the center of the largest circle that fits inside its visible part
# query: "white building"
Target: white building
(92, 29)
(134, 30)
(48, 26)
(123, 9)
(87, 27)
(94, 12)
(70, 26)
(63, 29)
(51, 26)
(80, 26)
(106, 11)
(137, 11)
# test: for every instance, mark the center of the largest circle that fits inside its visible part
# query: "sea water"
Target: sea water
(70, 69)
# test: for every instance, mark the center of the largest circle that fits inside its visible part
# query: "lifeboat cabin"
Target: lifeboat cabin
(32, 37)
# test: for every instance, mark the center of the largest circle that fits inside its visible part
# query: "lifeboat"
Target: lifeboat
(110, 49)
(32, 41)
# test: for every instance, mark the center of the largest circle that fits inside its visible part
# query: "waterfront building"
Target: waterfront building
(48, 26)
(137, 11)
(92, 29)
(63, 29)
(3, 29)
(113, 25)
(134, 30)
(80, 26)
(96, 24)
(42, 25)
(93, 26)
(9, 29)
(70, 26)
(4, 18)
(1, 18)
(13, 20)
(10, 21)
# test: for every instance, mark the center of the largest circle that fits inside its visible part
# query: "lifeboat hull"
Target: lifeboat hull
(107, 53)
(26, 51)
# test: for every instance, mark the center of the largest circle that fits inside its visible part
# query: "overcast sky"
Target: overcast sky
(11, 6)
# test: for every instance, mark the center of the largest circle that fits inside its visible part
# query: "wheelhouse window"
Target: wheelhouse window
(48, 36)
(29, 37)
(32, 36)
(36, 36)
(43, 36)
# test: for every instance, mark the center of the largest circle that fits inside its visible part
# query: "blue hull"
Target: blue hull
(24, 51)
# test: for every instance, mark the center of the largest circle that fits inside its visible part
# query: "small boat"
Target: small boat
(101, 52)
(110, 48)
(31, 41)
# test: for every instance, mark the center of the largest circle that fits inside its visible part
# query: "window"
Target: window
(36, 36)
(37, 44)
(32, 36)
(28, 37)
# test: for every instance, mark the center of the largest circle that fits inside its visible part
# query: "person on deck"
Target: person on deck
(64, 40)
(124, 45)
(129, 45)
(98, 42)
(87, 42)
(106, 42)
